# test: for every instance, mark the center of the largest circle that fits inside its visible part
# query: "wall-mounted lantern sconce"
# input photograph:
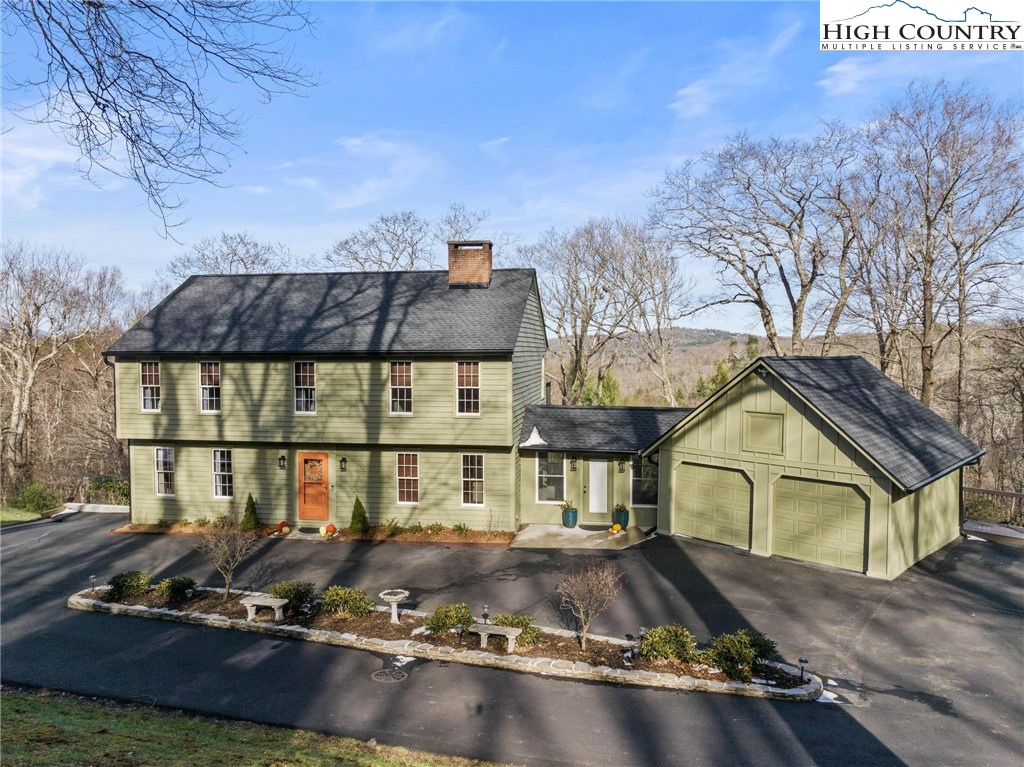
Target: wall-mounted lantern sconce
(343, 464)
(572, 464)
(622, 466)
(282, 462)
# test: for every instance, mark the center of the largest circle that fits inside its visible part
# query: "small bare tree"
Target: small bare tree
(228, 253)
(588, 589)
(226, 545)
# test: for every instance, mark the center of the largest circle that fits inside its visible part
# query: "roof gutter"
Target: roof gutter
(967, 461)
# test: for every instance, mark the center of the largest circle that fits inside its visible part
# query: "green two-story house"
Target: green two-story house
(407, 389)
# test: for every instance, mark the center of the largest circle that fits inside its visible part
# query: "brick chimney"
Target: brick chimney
(469, 263)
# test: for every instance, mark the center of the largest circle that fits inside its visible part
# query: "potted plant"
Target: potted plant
(620, 515)
(570, 514)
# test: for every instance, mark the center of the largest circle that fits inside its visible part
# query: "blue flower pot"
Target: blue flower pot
(621, 518)
(570, 517)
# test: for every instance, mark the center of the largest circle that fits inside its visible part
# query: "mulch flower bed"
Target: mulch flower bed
(553, 646)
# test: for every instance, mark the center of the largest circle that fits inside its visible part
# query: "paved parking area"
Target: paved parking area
(927, 667)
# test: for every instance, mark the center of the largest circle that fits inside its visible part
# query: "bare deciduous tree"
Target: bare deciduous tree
(391, 242)
(123, 81)
(226, 544)
(954, 176)
(585, 297)
(765, 212)
(589, 588)
(49, 302)
(228, 253)
(660, 294)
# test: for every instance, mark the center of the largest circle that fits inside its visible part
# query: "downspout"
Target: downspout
(113, 372)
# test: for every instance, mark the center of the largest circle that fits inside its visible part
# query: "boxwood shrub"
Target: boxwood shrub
(347, 600)
(525, 622)
(446, 617)
(736, 653)
(297, 593)
(668, 642)
(175, 589)
(127, 583)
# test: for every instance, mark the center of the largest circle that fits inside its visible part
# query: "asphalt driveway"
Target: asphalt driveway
(928, 668)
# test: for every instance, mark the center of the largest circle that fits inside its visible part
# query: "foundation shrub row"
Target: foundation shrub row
(736, 654)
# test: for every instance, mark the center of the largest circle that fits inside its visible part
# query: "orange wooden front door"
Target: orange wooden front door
(313, 486)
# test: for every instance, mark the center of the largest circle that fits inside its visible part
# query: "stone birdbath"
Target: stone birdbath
(393, 597)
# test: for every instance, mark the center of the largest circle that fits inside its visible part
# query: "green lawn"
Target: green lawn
(51, 729)
(10, 514)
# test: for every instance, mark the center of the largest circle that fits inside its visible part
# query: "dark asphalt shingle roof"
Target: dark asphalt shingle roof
(324, 313)
(599, 429)
(906, 438)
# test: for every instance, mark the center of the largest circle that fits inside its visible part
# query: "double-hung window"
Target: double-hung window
(473, 479)
(209, 387)
(550, 477)
(149, 378)
(467, 388)
(223, 479)
(305, 387)
(407, 469)
(164, 470)
(644, 485)
(401, 388)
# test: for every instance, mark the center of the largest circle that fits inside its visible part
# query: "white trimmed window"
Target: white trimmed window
(467, 388)
(223, 479)
(305, 387)
(473, 479)
(401, 388)
(209, 387)
(149, 379)
(407, 470)
(644, 483)
(550, 477)
(164, 470)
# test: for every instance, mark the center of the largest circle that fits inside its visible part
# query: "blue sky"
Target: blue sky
(543, 113)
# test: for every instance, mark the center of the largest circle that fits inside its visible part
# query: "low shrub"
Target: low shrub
(392, 528)
(250, 520)
(298, 593)
(435, 527)
(525, 622)
(347, 600)
(37, 498)
(460, 528)
(415, 527)
(736, 653)
(446, 617)
(110, 489)
(201, 522)
(667, 642)
(127, 583)
(176, 589)
(360, 523)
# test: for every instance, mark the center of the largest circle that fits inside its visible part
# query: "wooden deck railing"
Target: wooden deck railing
(1000, 506)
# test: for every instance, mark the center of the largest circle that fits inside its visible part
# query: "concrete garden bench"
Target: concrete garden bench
(485, 629)
(252, 603)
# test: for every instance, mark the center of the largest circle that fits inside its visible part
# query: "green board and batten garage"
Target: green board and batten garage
(819, 459)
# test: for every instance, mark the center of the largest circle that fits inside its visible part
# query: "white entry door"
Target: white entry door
(597, 487)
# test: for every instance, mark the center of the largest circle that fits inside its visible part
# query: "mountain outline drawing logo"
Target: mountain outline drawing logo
(910, 6)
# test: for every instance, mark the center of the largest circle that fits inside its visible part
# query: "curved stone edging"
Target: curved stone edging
(543, 666)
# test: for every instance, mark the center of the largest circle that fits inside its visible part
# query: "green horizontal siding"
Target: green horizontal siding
(370, 475)
(352, 404)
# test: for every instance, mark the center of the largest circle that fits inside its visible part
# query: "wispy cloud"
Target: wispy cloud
(420, 34)
(255, 189)
(615, 88)
(385, 164)
(34, 161)
(866, 75)
(747, 65)
(496, 148)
